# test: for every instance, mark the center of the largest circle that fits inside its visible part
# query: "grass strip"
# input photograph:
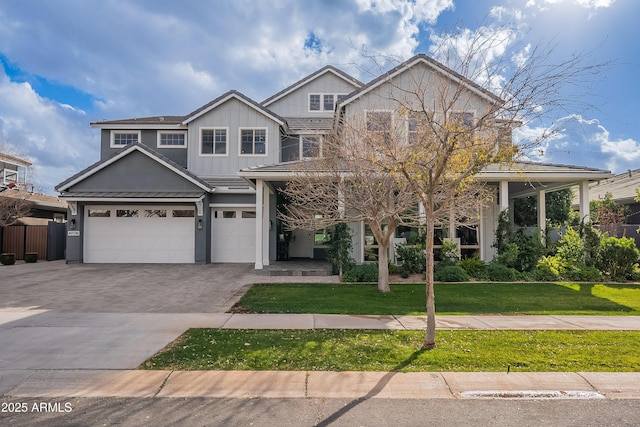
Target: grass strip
(451, 298)
(376, 350)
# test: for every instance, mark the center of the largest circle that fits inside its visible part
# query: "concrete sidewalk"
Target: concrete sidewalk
(314, 384)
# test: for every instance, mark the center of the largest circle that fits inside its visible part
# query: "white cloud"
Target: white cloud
(47, 132)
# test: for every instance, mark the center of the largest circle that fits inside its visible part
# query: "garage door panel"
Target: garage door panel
(139, 239)
(233, 239)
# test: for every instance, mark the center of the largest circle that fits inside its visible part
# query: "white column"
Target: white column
(259, 223)
(504, 195)
(584, 202)
(542, 213)
(266, 224)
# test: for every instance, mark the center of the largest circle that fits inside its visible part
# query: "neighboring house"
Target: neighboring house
(204, 187)
(622, 188)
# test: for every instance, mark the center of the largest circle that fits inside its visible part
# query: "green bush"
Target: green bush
(361, 273)
(583, 274)
(617, 256)
(497, 272)
(450, 273)
(548, 269)
(635, 274)
(412, 257)
(449, 253)
(395, 269)
(473, 266)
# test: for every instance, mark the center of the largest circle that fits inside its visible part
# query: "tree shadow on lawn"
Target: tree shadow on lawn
(373, 392)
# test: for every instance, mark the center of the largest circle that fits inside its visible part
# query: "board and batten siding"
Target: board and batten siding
(297, 102)
(233, 115)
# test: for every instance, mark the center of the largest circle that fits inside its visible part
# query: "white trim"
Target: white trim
(232, 205)
(129, 199)
(213, 128)
(113, 133)
(126, 152)
(225, 99)
(169, 132)
(266, 141)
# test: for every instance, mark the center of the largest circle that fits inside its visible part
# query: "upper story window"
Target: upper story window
(213, 141)
(169, 139)
(123, 138)
(419, 126)
(378, 121)
(253, 141)
(325, 102)
(463, 119)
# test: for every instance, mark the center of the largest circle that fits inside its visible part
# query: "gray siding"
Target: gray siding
(232, 115)
(135, 172)
(233, 199)
(148, 137)
(297, 102)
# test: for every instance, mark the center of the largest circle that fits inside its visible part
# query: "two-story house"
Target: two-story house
(203, 187)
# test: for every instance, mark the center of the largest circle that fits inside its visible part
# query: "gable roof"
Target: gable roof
(233, 94)
(421, 58)
(322, 71)
(164, 161)
(154, 122)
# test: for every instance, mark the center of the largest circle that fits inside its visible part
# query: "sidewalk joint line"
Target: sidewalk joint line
(163, 384)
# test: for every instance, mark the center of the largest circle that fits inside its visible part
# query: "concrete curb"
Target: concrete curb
(314, 384)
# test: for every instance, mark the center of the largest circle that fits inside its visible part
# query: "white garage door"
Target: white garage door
(233, 235)
(139, 234)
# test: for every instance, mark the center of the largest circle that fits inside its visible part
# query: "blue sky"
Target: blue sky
(67, 63)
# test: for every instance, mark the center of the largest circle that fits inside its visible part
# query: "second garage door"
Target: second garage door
(233, 235)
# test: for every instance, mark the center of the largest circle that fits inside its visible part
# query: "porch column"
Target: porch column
(584, 202)
(259, 223)
(542, 214)
(266, 224)
(504, 195)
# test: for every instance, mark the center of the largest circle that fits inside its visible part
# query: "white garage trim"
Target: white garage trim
(233, 231)
(139, 234)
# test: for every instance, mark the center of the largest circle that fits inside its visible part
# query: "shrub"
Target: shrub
(412, 257)
(570, 250)
(449, 253)
(395, 269)
(361, 273)
(450, 273)
(617, 256)
(497, 272)
(473, 266)
(339, 252)
(548, 269)
(583, 274)
(635, 274)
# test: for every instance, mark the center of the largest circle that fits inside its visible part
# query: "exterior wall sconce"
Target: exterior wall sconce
(199, 224)
(72, 224)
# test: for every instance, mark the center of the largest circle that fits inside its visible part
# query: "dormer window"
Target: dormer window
(124, 138)
(325, 102)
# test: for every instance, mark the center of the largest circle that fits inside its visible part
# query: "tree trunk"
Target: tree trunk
(430, 336)
(383, 268)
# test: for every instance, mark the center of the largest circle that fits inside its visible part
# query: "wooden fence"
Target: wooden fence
(47, 240)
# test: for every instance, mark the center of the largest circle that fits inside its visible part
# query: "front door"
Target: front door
(301, 245)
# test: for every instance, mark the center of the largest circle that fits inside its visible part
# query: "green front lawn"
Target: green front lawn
(451, 298)
(375, 350)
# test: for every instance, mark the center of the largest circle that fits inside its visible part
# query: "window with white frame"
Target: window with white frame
(464, 119)
(213, 141)
(253, 141)
(325, 102)
(171, 139)
(378, 121)
(120, 138)
(310, 146)
(419, 126)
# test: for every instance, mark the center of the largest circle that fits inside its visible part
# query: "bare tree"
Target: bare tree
(348, 185)
(460, 127)
(13, 206)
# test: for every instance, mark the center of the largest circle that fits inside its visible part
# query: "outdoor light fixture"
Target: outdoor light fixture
(199, 224)
(72, 224)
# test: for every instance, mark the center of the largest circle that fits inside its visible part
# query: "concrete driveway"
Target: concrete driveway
(89, 316)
